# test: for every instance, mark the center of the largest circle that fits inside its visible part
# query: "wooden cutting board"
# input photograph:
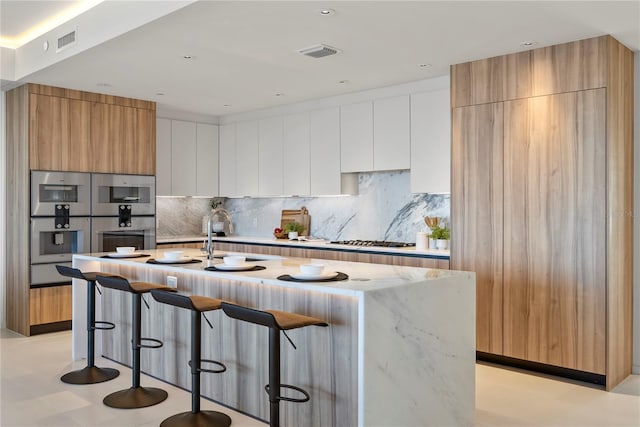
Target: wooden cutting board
(301, 216)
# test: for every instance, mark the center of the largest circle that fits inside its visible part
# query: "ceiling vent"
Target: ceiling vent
(319, 50)
(66, 41)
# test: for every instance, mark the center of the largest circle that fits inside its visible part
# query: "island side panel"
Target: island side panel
(419, 346)
(325, 363)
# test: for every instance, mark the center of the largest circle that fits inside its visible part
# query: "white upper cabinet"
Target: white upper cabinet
(324, 151)
(270, 156)
(247, 163)
(391, 133)
(431, 142)
(183, 156)
(206, 160)
(296, 145)
(356, 137)
(227, 161)
(163, 157)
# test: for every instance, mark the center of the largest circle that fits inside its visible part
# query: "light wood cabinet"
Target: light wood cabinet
(183, 158)
(227, 166)
(391, 139)
(271, 157)
(476, 213)
(247, 164)
(296, 175)
(49, 305)
(541, 182)
(431, 142)
(356, 137)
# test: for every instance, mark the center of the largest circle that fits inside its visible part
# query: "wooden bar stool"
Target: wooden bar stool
(197, 305)
(91, 374)
(276, 321)
(135, 396)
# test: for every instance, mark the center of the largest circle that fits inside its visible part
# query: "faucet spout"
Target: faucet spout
(209, 238)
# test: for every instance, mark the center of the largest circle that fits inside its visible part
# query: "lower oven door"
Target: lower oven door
(50, 244)
(107, 234)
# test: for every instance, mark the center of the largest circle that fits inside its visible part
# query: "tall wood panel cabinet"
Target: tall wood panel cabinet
(542, 188)
(50, 128)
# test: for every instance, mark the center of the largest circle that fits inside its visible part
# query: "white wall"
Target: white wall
(636, 223)
(3, 186)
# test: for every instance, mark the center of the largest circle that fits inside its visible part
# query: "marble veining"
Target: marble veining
(384, 209)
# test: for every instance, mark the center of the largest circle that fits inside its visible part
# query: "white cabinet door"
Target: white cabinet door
(206, 160)
(431, 142)
(183, 155)
(163, 157)
(356, 137)
(227, 162)
(324, 150)
(247, 162)
(270, 150)
(296, 143)
(391, 133)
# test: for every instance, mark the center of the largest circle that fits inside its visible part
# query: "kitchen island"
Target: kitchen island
(399, 351)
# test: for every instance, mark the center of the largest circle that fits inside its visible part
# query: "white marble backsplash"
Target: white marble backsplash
(384, 209)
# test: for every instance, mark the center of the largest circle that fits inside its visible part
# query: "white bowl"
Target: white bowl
(234, 260)
(314, 269)
(173, 254)
(126, 249)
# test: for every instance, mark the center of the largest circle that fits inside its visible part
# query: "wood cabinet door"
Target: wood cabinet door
(76, 154)
(144, 143)
(476, 212)
(554, 230)
(107, 138)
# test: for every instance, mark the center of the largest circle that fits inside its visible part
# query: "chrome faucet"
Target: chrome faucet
(208, 246)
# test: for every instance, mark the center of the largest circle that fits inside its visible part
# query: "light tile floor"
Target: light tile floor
(31, 394)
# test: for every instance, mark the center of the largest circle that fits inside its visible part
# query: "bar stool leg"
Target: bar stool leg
(91, 374)
(136, 396)
(274, 377)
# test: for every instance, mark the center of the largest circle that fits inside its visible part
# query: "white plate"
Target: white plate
(119, 255)
(240, 267)
(321, 276)
(182, 260)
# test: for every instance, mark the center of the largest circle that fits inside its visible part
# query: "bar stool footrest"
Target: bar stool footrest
(157, 344)
(291, 399)
(212, 371)
(98, 325)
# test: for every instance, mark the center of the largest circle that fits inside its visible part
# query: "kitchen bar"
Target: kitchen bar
(399, 349)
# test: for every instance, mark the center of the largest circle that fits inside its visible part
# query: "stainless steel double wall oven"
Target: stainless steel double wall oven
(75, 212)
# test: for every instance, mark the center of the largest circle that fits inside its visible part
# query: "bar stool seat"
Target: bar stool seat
(276, 321)
(197, 305)
(90, 374)
(135, 396)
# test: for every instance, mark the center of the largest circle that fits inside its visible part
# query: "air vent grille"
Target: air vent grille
(319, 51)
(66, 41)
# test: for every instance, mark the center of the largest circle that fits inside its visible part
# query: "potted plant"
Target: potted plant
(441, 235)
(293, 229)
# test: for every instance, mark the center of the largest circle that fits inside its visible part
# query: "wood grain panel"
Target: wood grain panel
(554, 230)
(178, 245)
(145, 142)
(619, 213)
(107, 141)
(491, 80)
(476, 212)
(76, 153)
(17, 210)
(49, 305)
(49, 131)
(331, 381)
(570, 66)
(91, 97)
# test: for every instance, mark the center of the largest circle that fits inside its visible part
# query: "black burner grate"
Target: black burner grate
(382, 243)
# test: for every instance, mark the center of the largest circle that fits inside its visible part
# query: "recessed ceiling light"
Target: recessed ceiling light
(279, 94)
(425, 65)
(103, 84)
(343, 82)
(187, 56)
(160, 93)
(326, 12)
(527, 44)
(227, 105)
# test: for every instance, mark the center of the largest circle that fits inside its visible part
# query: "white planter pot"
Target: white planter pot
(442, 244)
(432, 243)
(293, 235)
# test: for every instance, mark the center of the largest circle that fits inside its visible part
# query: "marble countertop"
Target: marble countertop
(323, 244)
(363, 277)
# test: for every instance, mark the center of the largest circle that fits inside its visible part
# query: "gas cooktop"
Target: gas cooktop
(382, 243)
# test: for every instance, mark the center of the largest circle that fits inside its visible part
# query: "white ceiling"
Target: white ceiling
(245, 52)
